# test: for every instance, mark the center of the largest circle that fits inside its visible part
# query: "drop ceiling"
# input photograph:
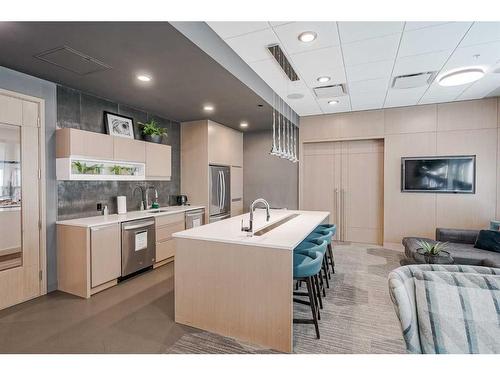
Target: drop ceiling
(366, 57)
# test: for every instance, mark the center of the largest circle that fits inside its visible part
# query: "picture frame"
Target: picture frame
(119, 125)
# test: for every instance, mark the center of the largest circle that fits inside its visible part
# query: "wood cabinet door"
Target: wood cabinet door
(125, 149)
(237, 207)
(75, 142)
(158, 161)
(225, 145)
(236, 183)
(105, 254)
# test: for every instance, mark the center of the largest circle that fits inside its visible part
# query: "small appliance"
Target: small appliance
(182, 200)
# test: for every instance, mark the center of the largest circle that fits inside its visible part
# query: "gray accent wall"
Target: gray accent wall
(28, 85)
(79, 110)
(266, 176)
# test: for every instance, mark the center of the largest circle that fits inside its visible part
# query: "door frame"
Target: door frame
(42, 234)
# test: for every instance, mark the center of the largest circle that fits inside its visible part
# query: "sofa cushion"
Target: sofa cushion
(488, 240)
(457, 312)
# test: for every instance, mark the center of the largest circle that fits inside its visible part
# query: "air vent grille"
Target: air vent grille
(72, 60)
(331, 91)
(283, 62)
(410, 81)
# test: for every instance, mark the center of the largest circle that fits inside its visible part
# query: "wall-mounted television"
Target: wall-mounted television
(439, 174)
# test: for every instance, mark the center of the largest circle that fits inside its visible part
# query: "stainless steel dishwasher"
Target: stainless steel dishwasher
(195, 218)
(138, 245)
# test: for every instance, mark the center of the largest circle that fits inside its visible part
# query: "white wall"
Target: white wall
(459, 128)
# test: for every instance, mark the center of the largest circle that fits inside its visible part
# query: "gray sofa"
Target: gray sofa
(460, 246)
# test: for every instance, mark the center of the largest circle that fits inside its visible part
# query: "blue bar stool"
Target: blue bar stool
(309, 248)
(305, 267)
(332, 228)
(323, 235)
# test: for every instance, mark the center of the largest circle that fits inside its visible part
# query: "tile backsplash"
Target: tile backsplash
(79, 110)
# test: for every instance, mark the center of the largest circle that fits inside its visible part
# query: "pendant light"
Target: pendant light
(279, 151)
(274, 150)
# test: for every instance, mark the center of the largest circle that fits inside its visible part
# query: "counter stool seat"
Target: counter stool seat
(320, 231)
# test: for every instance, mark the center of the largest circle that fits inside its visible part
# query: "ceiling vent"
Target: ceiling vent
(283, 62)
(72, 60)
(409, 81)
(331, 91)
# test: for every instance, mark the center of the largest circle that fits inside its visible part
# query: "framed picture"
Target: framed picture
(119, 125)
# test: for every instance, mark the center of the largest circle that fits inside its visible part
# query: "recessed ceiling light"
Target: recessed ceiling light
(295, 95)
(307, 36)
(461, 77)
(143, 78)
(333, 102)
(208, 107)
(243, 124)
(323, 79)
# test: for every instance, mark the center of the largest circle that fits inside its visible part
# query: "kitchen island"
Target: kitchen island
(239, 286)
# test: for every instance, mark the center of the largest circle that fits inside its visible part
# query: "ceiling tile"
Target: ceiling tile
(355, 31)
(432, 39)
(367, 101)
(278, 23)
(343, 105)
(321, 62)
(428, 62)
(231, 29)
(482, 32)
(253, 47)
(375, 86)
(374, 70)
(485, 55)
(482, 88)
(288, 34)
(440, 94)
(420, 25)
(404, 97)
(371, 50)
(305, 106)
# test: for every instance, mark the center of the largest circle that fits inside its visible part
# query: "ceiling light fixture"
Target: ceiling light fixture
(323, 79)
(461, 77)
(244, 124)
(307, 36)
(143, 78)
(208, 107)
(333, 102)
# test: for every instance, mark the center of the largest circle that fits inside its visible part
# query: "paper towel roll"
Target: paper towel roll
(122, 204)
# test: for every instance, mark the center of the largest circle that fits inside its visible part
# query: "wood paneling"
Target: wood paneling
(105, 254)
(318, 128)
(158, 161)
(11, 110)
(236, 183)
(473, 114)
(362, 124)
(237, 291)
(125, 149)
(407, 214)
(75, 142)
(165, 250)
(472, 211)
(422, 118)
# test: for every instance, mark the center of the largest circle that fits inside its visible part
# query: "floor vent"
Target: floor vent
(72, 60)
(281, 59)
(331, 91)
(410, 81)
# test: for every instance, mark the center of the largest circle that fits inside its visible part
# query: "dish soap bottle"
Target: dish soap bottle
(105, 211)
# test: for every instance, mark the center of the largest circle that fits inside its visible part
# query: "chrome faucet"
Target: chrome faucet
(147, 196)
(143, 196)
(249, 229)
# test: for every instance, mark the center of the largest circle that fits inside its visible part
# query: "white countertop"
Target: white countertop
(286, 236)
(94, 221)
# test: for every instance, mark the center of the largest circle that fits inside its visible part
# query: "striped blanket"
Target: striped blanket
(448, 308)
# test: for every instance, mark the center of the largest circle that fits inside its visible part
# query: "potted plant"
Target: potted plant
(152, 131)
(431, 251)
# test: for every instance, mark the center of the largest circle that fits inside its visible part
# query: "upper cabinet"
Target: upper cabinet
(84, 155)
(158, 161)
(225, 145)
(80, 143)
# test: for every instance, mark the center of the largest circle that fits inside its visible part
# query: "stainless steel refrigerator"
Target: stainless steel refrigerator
(220, 193)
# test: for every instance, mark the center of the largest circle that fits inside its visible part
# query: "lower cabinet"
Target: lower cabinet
(165, 227)
(105, 254)
(237, 207)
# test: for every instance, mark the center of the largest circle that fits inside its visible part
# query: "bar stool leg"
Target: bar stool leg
(318, 291)
(313, 306)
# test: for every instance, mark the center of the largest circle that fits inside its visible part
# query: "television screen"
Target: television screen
(443, 174)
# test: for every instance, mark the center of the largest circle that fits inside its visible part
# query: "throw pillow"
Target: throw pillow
(488, 240)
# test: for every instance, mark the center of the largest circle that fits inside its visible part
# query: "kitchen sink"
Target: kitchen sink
(159, 210)
(275, 225)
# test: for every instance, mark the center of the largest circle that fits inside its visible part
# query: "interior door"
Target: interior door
(319, 181)
(19, 205)
(362, 193)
